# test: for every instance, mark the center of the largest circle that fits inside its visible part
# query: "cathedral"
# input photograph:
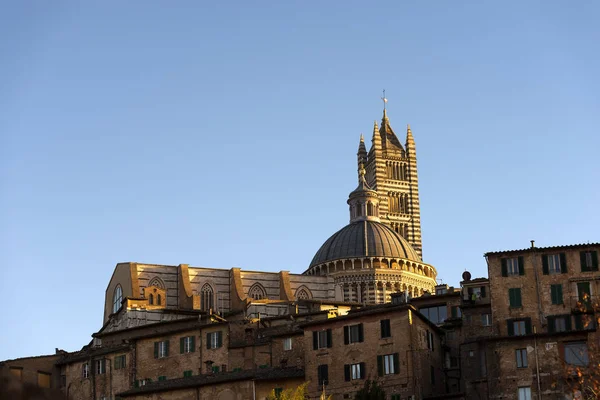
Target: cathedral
(378, 253)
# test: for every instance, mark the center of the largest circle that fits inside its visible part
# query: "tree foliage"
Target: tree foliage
(370, 391)
(298, 393)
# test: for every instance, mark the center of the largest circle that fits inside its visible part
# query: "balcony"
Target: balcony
(585, 304)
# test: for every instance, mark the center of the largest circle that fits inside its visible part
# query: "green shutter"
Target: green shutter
(563, 263)
(559, 295)
(380, 365)
(166, 348)
(553, 294)
(208, 340)
(315, 341)
(346, 334)
(511, 298)
(578, 322)
(155, 349)
(528, 326)
(568, 325)
(329, 339)
(453, 312)
(595, 260)
(219, 339)
(550, 324)
(361, 336)
(347, 376)
(504, 271)
(193, 344)
(518, 297)
(510, 328)
(136, 383)
(181, 346)
(362, 370)
(521, 266)
(545, 265)
(584, 266)
(396, 363)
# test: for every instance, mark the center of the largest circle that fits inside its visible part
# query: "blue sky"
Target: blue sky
(225, 135)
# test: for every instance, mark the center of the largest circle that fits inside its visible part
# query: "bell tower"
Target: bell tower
(391, 170)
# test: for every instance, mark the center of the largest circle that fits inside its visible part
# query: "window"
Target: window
(158, 299)
(215, 368)
(323, 375)
(353, 334)
(521, 355)
(429, 339)
(556, 294)
(584, 321)
(576, 353)
(442, 290)
(187, 344)
(396, 397)
(354, 371)
(43, 379)
(455, 312)
(554, 263)
(514, 297)
(257, 292)
(162, 378)
(589, 261)
(85, 370)
(436, 315)
(117, 298)
(287, 344)
(519, 327)
(450, 335)
(214, 340)
(386, 328)
(388, 364)
(151, 299)
(206, 297)
(187, 374)
(120, 361)
(100, 367)
(161, 349)
(432, 374)
(524, 393)
(322, 339)
(512, 266)
(559, 323)
(486, 319)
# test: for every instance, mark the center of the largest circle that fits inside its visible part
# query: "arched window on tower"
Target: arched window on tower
(369, 209)
(206, 297)
(117, 298)
(257, 292)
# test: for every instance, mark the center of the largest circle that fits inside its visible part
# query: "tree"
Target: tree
(298, 393)
(370, 391)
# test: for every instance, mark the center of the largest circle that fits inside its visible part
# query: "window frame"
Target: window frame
(354, 333)
(526, 391)
(322, 375)
(554, 264)
(287, 344)
(521, 358)
(512, 266)
(162, 349)
(85, 370)
(322, 339)
(120, 361)
(100, 366)
(568, 345)
(556, 294)
(117, 298)
(355, 371)
(513, 295)
(215, 340)
(385, 326)
(486, 319)
(389, 366)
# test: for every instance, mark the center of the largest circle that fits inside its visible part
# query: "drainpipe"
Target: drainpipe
(537, 364)
(253, 390)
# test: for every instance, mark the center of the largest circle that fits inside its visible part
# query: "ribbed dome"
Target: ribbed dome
(364, 239)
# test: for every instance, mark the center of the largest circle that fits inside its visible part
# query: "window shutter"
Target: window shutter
(518, 297)
(347, 372)
(453, 312)
(559, 295)
(315, 341)
(396, 363)
(483, 294)
(155, 349)
(383, 328)
(319, 375)
(181, 346)
(193, 349)
(166, 348)
(136, 383)
(504, 272)
(578, 322)
(380, 365)
(568, 325)
(219, 339)
(584, 266)
(208, 340)
(360, 333)
(521, 266)
(326, 374)
(563, 263)
(528, 326)
(545, 265)
(329, 338)
(510, 327)
(553, 294)
(511, 297)
(362, 370)
(346, 334)
(550, 324)
(595, 260)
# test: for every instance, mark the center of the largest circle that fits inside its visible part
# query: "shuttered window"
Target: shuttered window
(214, 340)
(386, 329)
(514, 297)
(554, 264)
(323, 375)
(353, 334)
(589, 261)
(556, 294)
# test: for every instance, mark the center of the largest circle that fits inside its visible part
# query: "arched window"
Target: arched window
(157, 282)
(158, 300)
(117, 298)
(370, 209)
(303, 293)
(151, 299)
(206, 297)
(257, 292)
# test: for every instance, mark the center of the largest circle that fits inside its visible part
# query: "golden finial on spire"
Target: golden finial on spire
(362, 139)
(384, 99)
(361, 172)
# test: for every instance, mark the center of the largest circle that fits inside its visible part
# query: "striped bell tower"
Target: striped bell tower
(391, 170)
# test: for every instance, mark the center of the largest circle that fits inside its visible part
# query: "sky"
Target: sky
(224, 134)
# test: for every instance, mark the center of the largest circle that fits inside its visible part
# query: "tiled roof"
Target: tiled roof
(202, 380)
(568, 246)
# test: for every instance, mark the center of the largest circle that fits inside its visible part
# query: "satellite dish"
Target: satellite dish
(466, 276)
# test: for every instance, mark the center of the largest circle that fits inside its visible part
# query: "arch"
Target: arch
(207, 297)
(117, 298)
(257, 292)
(157, 282)
(158, 299)
(151, 299)
(303, 293)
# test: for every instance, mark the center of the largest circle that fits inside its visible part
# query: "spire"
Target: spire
(362, 151)
(410, 141)
(376, 140)
(363, 201)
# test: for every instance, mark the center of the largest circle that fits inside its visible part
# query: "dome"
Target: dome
(364, 239)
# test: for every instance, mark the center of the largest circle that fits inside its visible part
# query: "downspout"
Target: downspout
(110, 396)
(537, 364)
(253, 390)
(93, 373)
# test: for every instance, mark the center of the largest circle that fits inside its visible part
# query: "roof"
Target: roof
(364, 239)
(90, 351)
(202, 380)
(61, 352)
(528, 249)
